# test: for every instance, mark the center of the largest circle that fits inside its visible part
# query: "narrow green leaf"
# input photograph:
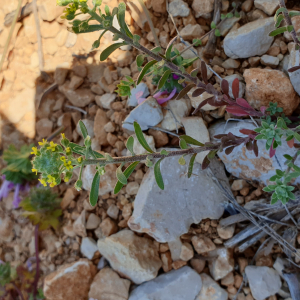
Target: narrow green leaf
(83, 129)
(145, 69)
(274, 177)
(163, 79)
(109, 50)
(114, 11)
(182, 144)
(217, 32)
(279, 20)
(95, 189)
(121, 19)
(279, 173)
(278, 31)
(127, 173)
(213, 25)
(140, 60)
(156, 50)
(297, 136)
(191, 165)
(120, 175)
(185, 90)
(181, 161)
(190, 140)
(129, 144)
(294, 13)
(274, 199)
(296, 168)
(229, 15)
(140, 137)
(290, 28)
(169, 49)
(106, 9)
(288, 157)
(279, 10)
(157, 174)
(194, 72)
(90, 28)
(164, 152)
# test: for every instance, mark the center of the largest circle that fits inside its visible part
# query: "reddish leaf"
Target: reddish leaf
(291, 143)
(198, 92)
(215, 101)
(255, 148)
(272, 150)
(247, 131)
(293, 69)
(210, 89)
(236, 111)
(185, 91)
(235, 88)
(229, 150)
(225, 87)
(204, 72)
(205, 163)
(219, 136)
(249, 146)
(200, 106)
(263, 109)
(243, 102)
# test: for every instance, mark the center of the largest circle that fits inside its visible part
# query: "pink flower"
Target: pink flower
(157, 96)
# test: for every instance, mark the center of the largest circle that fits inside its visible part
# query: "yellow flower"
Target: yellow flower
(51, 180)
(34, 150)
(63, 135)
(68, 165)
(68, 150)
(43, 182)
(52, 146)
(34, 170)
(43, 142)
(63, 159)
(79, 159)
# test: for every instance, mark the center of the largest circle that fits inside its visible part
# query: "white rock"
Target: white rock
(195, 101)
(175, 248)
(180, 108)
(295, 76)
(135, 257)
(226, 232)
(142, 87)
(222, 262)
(147, 113)
(267, 6)
(203, 8)
(105, 100)
(79, 225)
(93, 221)
(179, 8)
(211, 290)
(180, 284)
(249, 40)
(89, 124)
(231, 64)
(280, 264)
(269, 60)
(167, 214)
(113, 211)
(195, 127)
(88, 247)
(263, 281)
(138, 148)
(229, 23)
(242, 85)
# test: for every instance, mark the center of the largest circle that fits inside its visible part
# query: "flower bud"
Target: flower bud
(78, 185)
(88, 141)
(64, 141)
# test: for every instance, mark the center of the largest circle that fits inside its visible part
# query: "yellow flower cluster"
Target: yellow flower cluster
(52, 146)
(34, 150)
(67, 164)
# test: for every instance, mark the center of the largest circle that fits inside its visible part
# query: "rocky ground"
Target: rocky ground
(144, 243)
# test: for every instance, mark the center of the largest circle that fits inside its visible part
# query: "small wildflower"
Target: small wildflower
(43, 142)
(68, 165)
(63, 159)
(79, 159)
(43, 182)
(63, 135)
(34, 150)
(68, 150)
(52, 146)
(34, 171)
(51, 180)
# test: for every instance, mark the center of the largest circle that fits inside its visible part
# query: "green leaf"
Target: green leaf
(294, 13)
(181, 161)
(169, 51)
(274, 199)
(279, 10)
(145, 69)
(279, 173)
(260, 137)
(120, 175)
(296, 168)
(136, 39)
(121, 19)
(213, 25)
(197, 42)
(156, 50)
(83, 129)
(140, 137)
(164, 152)
(229, 15)
(288, 157)
(95, 189)
(291, 195)
(274, 177)
(127, 173)
(290, 28)
(278, 31)
(114, 11)
(297, 136)
(157, 174)
(190, 140)
(163, 79)
(106, 9)
(191, 165)
(279, 20)
(129, 144)
(217, 32)
(109, 50)
(140, 60)
(237, 15)
(182, 144)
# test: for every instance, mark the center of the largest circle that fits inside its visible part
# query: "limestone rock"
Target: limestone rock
(159, 6)
(138, 148)
(249, 40)
(69, 280)
(105, 100)
(69, 196)
(222, 262)
(203, 8)
(231, 64)
(100, 120)
(226, 232)
(88, 247)
(294, 76)
(268, 6)
(183, 283)
(132, 256)
(269, 61)
(107, 285)
(147, 113)
(244, 164)
(49, 11)
(180, 108)
(203, 244)
(80, 97)
(79, 225)
(93, 221)
(44, 127)
(263, 281)
(179, 8)
(264, 86)
(196, 101)
(211, 290)
(195, 127)
(166, 215)
(190, 32)
(142, 87)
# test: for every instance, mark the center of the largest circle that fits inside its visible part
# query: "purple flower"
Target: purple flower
(17, 199)
(162, 100)
(175, 76)
(6, 187)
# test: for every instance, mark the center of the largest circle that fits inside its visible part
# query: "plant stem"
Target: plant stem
(18, 291)
(127, 159)
(37, 271)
